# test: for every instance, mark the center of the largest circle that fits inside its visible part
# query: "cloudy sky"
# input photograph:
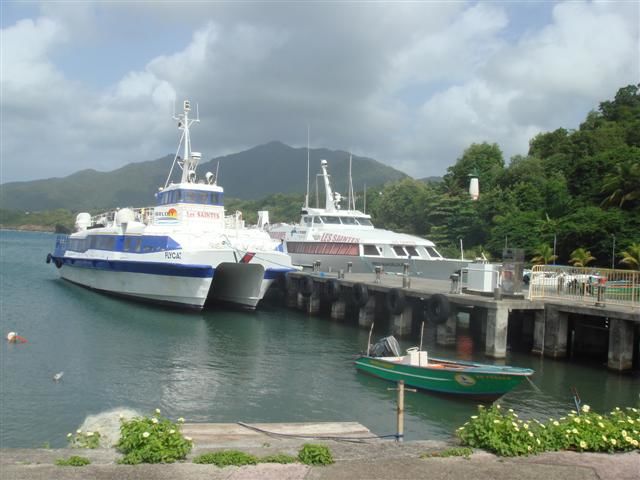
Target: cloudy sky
(412, 84)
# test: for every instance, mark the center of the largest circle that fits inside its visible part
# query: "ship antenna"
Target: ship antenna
(352, 200)
(365, 198)
(217, 168)
(306, 198)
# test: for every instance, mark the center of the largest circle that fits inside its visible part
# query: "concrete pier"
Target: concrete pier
(541, 326)
(620, 345)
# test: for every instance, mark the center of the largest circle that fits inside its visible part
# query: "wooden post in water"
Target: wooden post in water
(400, 417)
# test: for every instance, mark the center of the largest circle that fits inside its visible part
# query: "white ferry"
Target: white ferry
(336, 237)
(181, 252)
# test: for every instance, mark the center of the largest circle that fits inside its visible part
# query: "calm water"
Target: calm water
(273, 365)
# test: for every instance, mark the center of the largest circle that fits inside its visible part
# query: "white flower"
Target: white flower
(172, 431)
(154, 420)
(583, 444)
(573, 430)
(529, 447)
(496, 421)
(498, 407)
(69, 435)
(121, 416)
(601, 425)
(514, 424)
(604, 438)
(474, 416)
(635, 443)
(158, 411)
(613, 441)
(538, 441)
(78, 432)
(526, 426)
(146, 434)
(585, 408)
(188, 439)
(515, 415)
(556, 423)
(89, 434)
(576, 419)
(181, 420)
(511, 410)
(530, 434)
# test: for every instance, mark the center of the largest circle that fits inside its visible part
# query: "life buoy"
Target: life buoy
(438, 308)
(395, 301)
(332, 289)
(306, 286)
(360, 294)
(58, 262)
(48, 258)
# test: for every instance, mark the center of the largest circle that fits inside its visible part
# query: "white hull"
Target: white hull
(178, 291)
(434, 269)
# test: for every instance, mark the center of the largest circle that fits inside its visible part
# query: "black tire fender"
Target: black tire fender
(395, 301)
(306, 286)
(360, 294)
(58, 262)
(332, 289)
(48, 258)
(438, 308)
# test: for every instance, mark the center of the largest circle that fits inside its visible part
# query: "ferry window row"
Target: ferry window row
(330, 220)
(190, 196)
(118, 243)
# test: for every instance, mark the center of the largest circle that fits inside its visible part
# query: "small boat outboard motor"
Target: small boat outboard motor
(385, 347)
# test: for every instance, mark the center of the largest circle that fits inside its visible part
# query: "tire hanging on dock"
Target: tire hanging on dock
(306, 286)
(395, 301)
(58, 262)
(438, 308)
(48, 258)
(360, 294)
(332, 290)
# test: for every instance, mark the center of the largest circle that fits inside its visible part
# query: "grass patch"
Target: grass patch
(73, 461)
(278, 458)
(226, 458)
(313, 454)
(449, 452)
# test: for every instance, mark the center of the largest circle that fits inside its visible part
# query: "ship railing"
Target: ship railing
(587, 285)
(61, 245)
(143, 215)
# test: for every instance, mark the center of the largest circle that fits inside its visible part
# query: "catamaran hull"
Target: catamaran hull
(433, 269)
(481, 385)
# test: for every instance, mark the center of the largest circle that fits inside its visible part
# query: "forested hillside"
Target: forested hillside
(581, 187)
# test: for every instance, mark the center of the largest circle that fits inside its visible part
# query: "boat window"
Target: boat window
(348, 220)
(195, 196)
(371, 250)
(317, 220)
(306, 221)
(412, 251)
(331, 220)
(364, 221)
(399, 251)
(433, 253)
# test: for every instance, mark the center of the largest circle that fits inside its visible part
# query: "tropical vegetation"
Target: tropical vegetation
(504, 433)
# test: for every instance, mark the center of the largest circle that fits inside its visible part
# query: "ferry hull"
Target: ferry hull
(181, 291)
(433, 269)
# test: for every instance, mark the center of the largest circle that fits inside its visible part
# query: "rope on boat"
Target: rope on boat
(319, 437)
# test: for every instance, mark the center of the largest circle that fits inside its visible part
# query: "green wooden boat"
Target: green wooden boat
(454, 377)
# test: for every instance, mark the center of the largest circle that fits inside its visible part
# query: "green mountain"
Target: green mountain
(249, 175)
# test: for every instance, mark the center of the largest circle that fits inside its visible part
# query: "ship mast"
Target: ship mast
(189, 159)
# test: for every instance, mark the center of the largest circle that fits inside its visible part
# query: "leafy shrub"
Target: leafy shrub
(312, 454)
(278, 458)
(226, 458)
(73, 461)
(152, 439)
(450, 452)
(505, 434)
(84, 439)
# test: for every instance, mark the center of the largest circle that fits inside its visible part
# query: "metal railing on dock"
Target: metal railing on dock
(591, 286)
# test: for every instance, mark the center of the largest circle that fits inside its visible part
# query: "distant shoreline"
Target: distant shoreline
(28, 228)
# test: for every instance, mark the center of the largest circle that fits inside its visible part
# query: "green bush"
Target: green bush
(278, 458)
(505, 434)
(312, 454)
(74, 461)
(84, 439)
(226, 458)
(152, 439)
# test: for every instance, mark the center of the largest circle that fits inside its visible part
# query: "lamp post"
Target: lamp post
(613, 252)
(461, 249)
(554, 248)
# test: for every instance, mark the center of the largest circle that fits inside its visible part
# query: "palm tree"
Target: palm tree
(543, 255)
(631, 256)
(580, 257)
(621, 184)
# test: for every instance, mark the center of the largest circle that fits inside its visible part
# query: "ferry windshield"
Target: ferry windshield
(348, 221)
(364, 221)
(331, 220)
(190, 196)
(433, 253)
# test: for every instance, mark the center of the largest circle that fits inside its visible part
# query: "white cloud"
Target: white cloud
(411, 84)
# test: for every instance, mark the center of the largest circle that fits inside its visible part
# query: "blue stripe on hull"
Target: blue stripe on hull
(154, 268)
